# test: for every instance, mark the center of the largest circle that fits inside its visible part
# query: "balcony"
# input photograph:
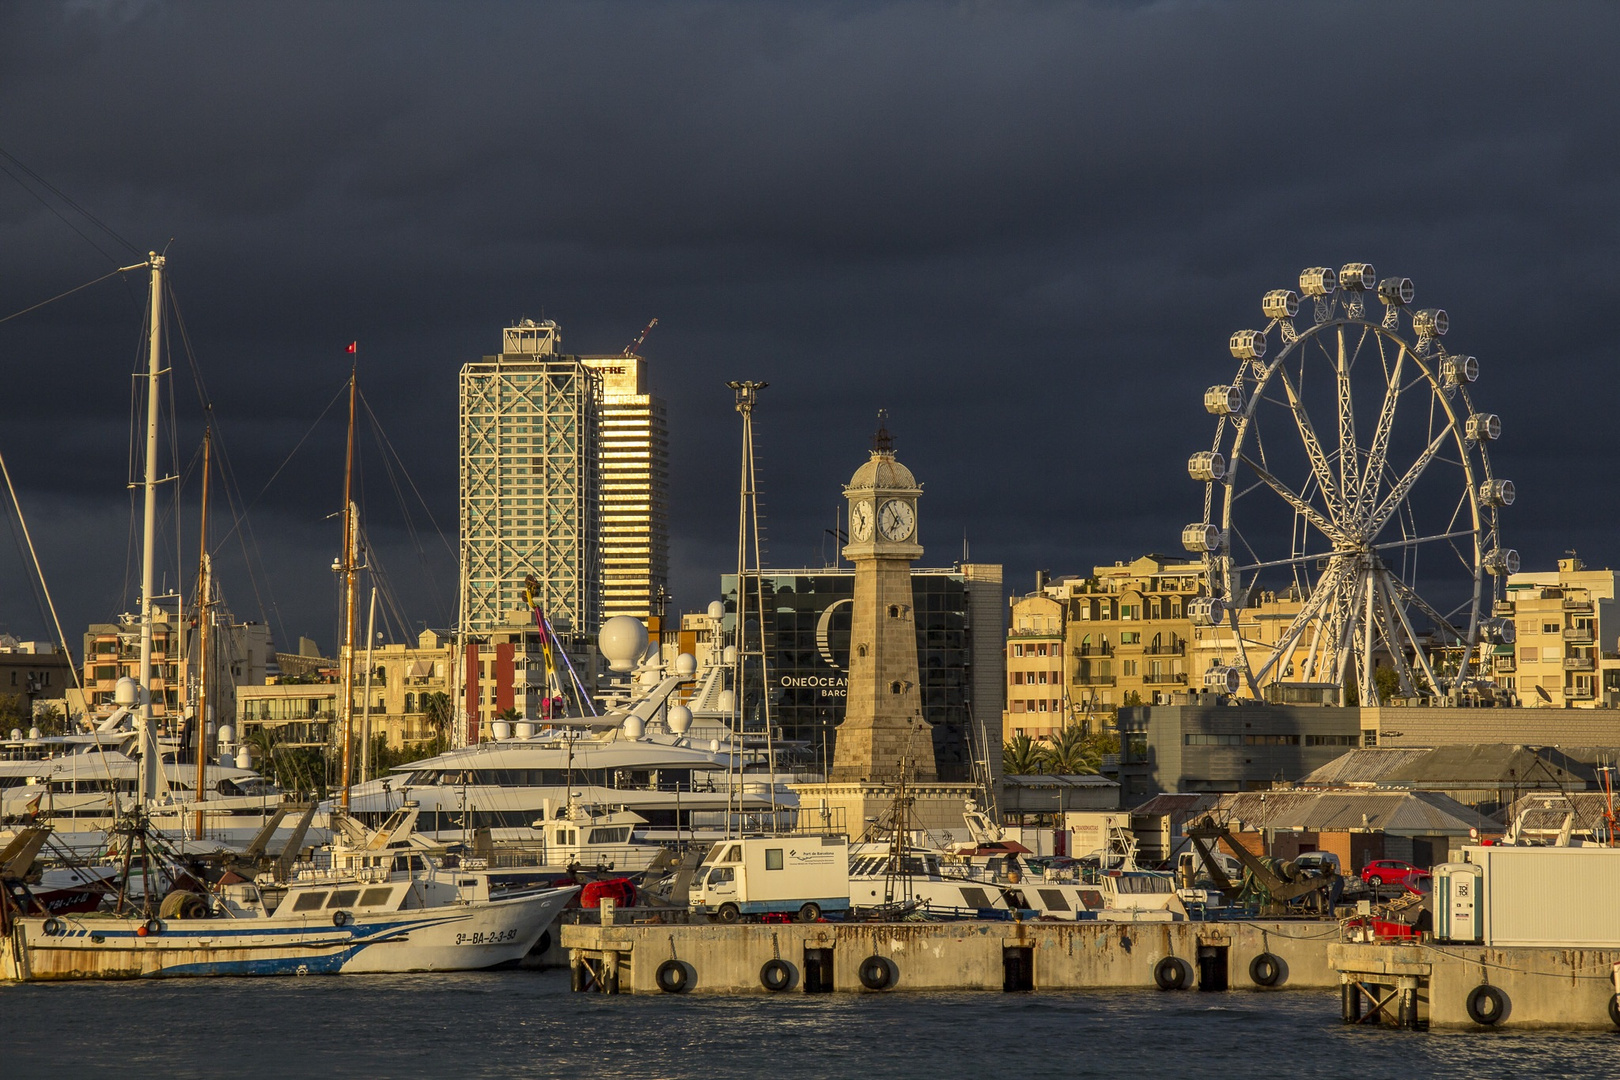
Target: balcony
(1178, 649)
(1165, 679)
(1083, 679)
(1579, 663)
(1581, 635)
(1580, 692)
(1503, 608)
(1094, 650)
(1577, 603)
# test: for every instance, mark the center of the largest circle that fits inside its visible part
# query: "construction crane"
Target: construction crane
(630, 349)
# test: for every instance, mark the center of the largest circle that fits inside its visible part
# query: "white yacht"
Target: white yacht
(645, 756)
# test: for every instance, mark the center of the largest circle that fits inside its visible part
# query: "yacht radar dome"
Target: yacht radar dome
(623, 641)
(717, 610)
(679, 719)
(686, 665)
(127, 691)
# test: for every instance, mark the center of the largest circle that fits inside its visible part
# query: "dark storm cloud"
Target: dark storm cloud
(1027, 230)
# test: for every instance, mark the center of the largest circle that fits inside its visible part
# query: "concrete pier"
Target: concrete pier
(1428, 984)
(631, 955)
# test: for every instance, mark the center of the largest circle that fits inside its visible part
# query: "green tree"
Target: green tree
(14, 712)
(1022, 757)
(1072, 753)
(50, 721)
(1387, 681)
(438, 711)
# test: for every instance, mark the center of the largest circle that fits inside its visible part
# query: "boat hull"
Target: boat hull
(460, 937)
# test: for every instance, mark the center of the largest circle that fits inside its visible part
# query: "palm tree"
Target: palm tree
(1022, 757)
(438, 711)
(1073, 753)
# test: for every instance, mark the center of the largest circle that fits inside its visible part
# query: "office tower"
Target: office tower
(633, 466)
(529, 484)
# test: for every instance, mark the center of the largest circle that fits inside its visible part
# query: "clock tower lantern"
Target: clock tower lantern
(883, 733)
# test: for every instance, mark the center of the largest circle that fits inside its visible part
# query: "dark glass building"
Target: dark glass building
(806, 637)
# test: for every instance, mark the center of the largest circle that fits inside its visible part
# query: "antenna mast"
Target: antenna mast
(349, 568)
(205, 638)
(748, 532)
(148, 734)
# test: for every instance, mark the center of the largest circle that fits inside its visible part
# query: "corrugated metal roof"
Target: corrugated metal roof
(1176, 803)
(1491, 765)
(1410, 813)
(1365, 766)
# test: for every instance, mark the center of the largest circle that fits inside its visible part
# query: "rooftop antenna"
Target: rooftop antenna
(748, 533)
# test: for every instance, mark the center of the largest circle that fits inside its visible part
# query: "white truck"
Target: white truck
(798, 876)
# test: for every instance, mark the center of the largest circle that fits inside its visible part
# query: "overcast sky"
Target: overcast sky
(1027, 230)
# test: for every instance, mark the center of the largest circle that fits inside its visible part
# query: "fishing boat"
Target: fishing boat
(381, 905)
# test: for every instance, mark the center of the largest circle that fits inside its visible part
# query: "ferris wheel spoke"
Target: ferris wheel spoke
(1349, 479)
(1307, 612)
(1303, 508)
(1313, 445)
(1407, 594)
(1414, 541)
(1403, 487)
(1297, 560)
(1378, 455)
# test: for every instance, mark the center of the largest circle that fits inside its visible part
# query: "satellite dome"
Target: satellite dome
(686, 665)
(679, 719)
(634, 728)
(127, 691)
(623, 641)
(717, 610)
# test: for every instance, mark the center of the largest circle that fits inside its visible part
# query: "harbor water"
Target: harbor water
(520, 1024)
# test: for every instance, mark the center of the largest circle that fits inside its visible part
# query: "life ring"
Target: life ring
(776, 976)
(341, 918)
(877, 973)
(52, 927)
(1265, 969)
(1614, 1009)
(1486, 1005)
(1170, 974)
(153, 926)
(672, 977)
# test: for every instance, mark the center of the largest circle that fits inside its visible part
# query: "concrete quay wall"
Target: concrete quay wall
(953, 956)
(1538, 987)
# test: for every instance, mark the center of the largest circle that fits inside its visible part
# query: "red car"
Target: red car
(1389, 872)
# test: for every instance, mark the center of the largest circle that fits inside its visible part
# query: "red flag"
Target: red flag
(354, 346)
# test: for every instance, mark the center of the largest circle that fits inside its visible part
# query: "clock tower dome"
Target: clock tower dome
(883, 733)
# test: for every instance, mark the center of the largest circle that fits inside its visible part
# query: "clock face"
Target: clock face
(860, 520)
(896, 519)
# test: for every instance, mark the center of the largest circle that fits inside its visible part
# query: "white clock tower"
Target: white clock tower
(883, 733)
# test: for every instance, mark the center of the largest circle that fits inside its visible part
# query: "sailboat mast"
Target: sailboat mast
(147, 786)
(349, 576)
(205, 637)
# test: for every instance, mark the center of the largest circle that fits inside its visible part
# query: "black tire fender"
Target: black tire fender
(776, 976)
(1614, 1009)
(154, 926)
(672, 977)
(1265, 969)
(341, 918)
(1486, 1005)
(1170, 973)
(52, 927)
(877, 972)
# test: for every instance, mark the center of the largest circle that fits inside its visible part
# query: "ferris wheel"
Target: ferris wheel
(1349, 483)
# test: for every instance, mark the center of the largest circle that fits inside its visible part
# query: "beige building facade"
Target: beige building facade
(1566, 648)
